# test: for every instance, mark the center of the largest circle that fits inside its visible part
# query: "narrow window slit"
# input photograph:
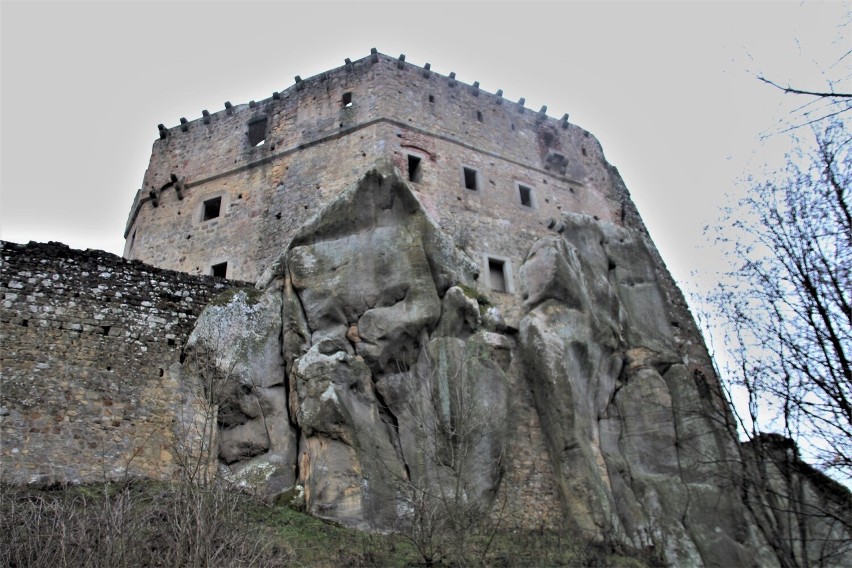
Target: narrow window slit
(497, 274)
(257, 131)
(525, 195)
(414, 171)
(470, 179)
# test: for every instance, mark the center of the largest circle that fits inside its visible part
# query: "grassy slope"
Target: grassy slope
(155, 524)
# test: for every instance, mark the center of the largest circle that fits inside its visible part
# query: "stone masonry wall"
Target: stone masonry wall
(90, 346)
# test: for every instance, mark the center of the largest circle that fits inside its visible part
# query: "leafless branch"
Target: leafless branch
(791, 90)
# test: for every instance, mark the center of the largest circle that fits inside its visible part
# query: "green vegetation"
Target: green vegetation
(483, 300)
(223, 299)
(320, 543)
(148, 523)
(476, 295)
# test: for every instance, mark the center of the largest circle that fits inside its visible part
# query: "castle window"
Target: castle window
(347, 100)
(211, 209)
(415, 174)
(220, 270)
(431, 98)
(525, 194)
(471, 178)
(257, 131)
(479, 115)
(497, 275)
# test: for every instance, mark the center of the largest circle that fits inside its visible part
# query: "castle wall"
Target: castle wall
(315, 145)
(90, 346)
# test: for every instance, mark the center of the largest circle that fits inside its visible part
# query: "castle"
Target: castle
(224, 193)
(318, 284)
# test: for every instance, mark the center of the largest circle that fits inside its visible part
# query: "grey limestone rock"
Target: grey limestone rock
(370, 280)
(366, 350)
(633, 442)
(234, 353)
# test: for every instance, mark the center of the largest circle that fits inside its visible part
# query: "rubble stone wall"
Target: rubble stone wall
(90, 344)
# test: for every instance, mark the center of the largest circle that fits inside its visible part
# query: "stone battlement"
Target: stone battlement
(358, 66)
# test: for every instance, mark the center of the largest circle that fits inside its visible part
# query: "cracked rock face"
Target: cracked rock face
(378, 353)
(635, 450)
(235, 354)
(365, 353)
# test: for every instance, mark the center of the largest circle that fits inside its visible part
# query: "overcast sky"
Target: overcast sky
(668, 88)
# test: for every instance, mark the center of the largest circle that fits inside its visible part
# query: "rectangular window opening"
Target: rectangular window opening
(347, 100)
(497, 274)
(257, 131)
(526, 195)
(212, 209)
(431, 98)
(471, 179)
(220, 270)
(414, 172)
(479, 115)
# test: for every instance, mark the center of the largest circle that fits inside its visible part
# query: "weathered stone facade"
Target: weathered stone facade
(317, 141)
(90, 362)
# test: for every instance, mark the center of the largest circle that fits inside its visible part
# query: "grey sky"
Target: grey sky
(668, 88)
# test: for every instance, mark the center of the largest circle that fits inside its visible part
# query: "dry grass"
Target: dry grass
(150, 524)
(132, 524)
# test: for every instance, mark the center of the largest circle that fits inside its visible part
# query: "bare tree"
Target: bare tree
(821, 104)
(208, 388)
(787, 326)
(789, 303)
(790, 90)
(818, 106)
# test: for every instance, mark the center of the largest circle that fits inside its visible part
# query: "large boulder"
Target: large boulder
(381, 347)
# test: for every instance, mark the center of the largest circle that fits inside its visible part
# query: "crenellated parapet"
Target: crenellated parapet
(350, 67)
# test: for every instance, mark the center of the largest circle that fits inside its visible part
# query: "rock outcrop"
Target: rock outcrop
(366, 364)
(639, 449)
(381, 346)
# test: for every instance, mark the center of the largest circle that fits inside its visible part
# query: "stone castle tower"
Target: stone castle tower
(224, 193)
